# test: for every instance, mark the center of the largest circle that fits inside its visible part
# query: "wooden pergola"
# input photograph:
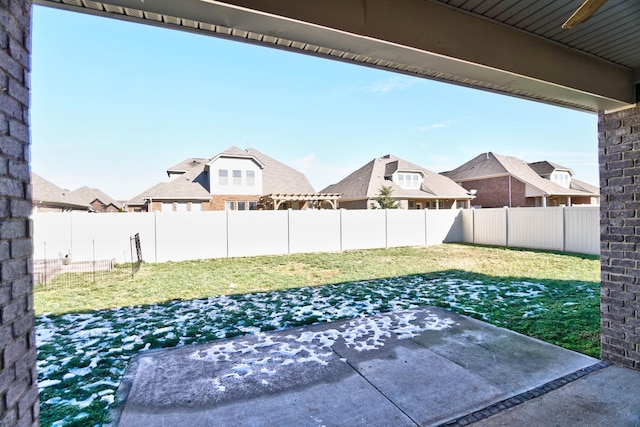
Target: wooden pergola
(273, 201)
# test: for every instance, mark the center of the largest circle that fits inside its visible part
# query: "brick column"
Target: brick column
(18, 377)
(619, 153)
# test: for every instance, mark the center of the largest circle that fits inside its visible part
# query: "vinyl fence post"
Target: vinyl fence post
(426, 226)
(341, 233)
(94, 260)
(564, 229)
(386, 228)
(45, 264)
(289, 231)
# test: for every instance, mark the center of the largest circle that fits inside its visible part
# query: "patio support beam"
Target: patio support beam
(619, 151)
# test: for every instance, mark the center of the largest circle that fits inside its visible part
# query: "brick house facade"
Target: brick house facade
(18, 377)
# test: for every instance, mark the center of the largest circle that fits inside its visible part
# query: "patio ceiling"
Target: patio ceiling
(514, 47)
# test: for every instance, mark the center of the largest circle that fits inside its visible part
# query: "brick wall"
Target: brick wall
(18, 377)
(494, 192)
(217, 201)
(619, 154)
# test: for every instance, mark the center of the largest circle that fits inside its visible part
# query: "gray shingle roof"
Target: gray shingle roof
(86, 195)
(365, 183)
(492, 164)
(186, 165)
(45, 192)
(546, 168)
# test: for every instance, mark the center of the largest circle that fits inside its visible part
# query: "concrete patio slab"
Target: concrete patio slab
(423, 366)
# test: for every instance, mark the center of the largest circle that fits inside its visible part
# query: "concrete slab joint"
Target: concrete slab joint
(18, 377)
(619, 157)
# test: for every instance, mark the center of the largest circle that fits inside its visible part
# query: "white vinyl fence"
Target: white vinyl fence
(179, 236)
(568, 229)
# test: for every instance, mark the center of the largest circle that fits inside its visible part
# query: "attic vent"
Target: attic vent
(386, 156)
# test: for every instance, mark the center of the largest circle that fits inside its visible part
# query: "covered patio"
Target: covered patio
(514, 47)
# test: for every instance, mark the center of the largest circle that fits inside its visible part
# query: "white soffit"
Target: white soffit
(417, 37)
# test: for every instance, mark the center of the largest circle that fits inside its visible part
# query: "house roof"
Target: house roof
(487, 165)
(185, 165)
(546, 168)
(86, 196)
(193, 181)
(367, 181)
(46, 192)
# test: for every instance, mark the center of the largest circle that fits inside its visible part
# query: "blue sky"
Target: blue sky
(114, 104)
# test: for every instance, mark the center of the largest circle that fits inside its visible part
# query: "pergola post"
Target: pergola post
(619, 156)
(18, 376)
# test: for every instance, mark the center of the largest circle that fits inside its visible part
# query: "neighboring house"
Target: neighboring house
(233, 180)
(96, 200)
(500, 181)
(48, 197)
(414, 187)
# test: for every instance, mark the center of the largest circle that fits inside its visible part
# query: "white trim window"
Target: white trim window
(230, 205)
(223, 177)
(242, 206)
(237, 177)
(561, 178)
(251, 178)
(408, 180)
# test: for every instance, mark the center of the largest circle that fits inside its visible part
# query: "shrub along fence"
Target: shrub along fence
(178, 236)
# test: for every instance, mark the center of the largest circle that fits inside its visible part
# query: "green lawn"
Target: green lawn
(157, 283)
(89, 332)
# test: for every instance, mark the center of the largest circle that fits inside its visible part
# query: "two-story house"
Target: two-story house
(235, 179)
(412, 186)
(500, 181)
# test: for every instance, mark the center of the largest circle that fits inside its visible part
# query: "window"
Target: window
(223, 175)
(561, 178)
(196, 207)
(167, 207)
(251, 178)
(230, 205)
(412, 204)
(181, 207)
(253, 206)
(237, 177)
(242, 206)
(408, 180)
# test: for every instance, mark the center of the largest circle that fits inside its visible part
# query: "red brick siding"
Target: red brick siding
(217, 202)
(494, 192)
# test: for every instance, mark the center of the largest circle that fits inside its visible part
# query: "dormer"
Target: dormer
(553, 172)
(408, 180)
(235, 172)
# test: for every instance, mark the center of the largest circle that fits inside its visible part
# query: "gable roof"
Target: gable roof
(276, 176)
(86, 195)
(46, 192)
(487, 165)
(367, 181)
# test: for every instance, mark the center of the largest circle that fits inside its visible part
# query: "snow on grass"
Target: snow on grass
(82, 357)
